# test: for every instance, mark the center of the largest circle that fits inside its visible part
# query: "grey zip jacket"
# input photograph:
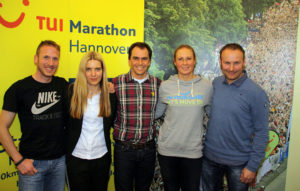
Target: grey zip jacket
(183, 104)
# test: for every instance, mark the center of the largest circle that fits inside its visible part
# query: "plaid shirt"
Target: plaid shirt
(135, 109)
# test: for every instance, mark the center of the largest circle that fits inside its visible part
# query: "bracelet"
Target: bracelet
(20, 161)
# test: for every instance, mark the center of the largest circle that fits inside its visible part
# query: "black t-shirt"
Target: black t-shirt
(40, 107)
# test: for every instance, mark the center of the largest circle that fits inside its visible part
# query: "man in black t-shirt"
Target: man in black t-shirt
(38, 101)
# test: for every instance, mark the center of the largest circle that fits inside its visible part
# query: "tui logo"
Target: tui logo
(15, 22)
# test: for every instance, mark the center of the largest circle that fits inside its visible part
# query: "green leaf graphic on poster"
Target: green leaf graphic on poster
(273, 142)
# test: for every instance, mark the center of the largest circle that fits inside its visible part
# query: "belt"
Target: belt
(136, 146)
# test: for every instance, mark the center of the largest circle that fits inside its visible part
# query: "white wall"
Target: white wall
(293, 168)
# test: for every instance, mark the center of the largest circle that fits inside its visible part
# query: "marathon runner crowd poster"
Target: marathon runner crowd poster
(267, 29)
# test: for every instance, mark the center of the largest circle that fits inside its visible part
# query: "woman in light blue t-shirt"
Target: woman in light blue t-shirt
(182, 99)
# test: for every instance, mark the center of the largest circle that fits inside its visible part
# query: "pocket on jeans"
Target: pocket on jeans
(121, 148)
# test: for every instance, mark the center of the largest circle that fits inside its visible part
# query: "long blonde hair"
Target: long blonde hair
(80, 89)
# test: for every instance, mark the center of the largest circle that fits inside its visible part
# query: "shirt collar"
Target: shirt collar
(129, 77)
(239, 81)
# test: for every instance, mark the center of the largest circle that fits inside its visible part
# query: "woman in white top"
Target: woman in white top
(88, 138)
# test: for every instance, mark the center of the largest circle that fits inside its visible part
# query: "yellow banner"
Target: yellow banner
(108, 27)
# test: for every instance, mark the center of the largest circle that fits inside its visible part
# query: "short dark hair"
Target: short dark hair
(184, 46)
(232, 46)
(141, 45)
(47, 43)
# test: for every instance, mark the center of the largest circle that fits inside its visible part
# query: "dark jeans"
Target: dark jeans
(133, 167)
(213, 173)
(88, 175)
(180, 172)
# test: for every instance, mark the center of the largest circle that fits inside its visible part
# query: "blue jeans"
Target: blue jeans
(133, 167)
(213, 173)
(178, 172)
(50, 176)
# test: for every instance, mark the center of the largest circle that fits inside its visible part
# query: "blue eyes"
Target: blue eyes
(48, 57)
(182, 59)
(96, 69)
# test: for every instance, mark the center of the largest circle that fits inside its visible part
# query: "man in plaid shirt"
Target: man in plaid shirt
(134, 131)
